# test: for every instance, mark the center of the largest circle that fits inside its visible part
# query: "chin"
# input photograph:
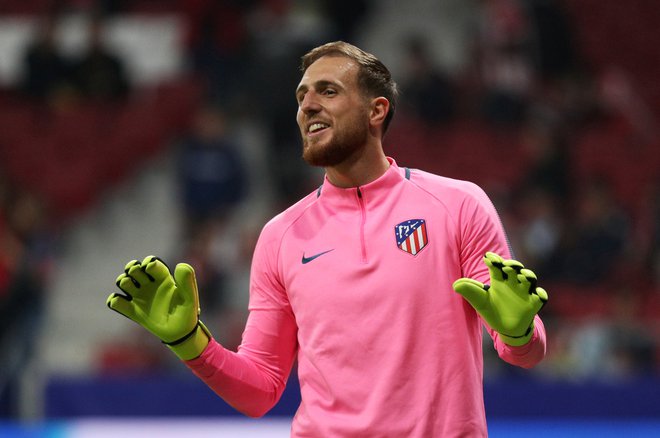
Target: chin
(316, 154)
(315, 159)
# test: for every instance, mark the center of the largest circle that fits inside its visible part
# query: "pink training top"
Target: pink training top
(357, 285)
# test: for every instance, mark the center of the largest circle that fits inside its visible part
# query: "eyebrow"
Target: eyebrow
(323, 83)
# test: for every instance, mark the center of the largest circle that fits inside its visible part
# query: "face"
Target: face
(333, 115)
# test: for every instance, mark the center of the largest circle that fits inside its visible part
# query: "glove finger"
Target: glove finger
(156, 268)
(127, 285)
(511, 277)
(184, 277)
(493, 256)
(528, 278)
(495, 265)
(542, 294)
(515, 264)
(138, 273)
(475, 292)
(130, 264)
(165, 297)
(122, 305)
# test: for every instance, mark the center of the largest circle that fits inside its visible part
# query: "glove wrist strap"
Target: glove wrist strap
(191, 345)
(529, 330)
(184, 338)
(517, 341)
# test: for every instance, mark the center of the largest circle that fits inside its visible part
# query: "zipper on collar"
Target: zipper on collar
(363, 220)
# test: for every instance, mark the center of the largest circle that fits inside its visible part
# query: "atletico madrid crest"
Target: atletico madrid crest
(411, 235)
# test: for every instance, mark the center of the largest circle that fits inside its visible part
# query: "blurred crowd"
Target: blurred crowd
(568, 150)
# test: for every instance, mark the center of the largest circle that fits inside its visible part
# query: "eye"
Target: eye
(329, 92)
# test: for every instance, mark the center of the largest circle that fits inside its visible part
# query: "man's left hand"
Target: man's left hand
(510, 302)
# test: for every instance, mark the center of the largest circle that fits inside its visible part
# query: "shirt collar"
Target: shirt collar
(370, 193)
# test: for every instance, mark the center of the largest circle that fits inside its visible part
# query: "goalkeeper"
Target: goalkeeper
(378, 283)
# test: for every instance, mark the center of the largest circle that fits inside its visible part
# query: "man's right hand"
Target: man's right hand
(166, 305)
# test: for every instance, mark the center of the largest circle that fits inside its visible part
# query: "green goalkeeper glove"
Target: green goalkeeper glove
(166, 305)
(511, 301)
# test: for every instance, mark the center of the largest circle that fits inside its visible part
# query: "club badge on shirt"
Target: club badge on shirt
(411, 235)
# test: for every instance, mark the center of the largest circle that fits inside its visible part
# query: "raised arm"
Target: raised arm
(167, 305)
(502, 291)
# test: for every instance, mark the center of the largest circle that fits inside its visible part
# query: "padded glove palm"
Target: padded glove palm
(510, 302)
(166, 305)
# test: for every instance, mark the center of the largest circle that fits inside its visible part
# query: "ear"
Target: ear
(379, 109)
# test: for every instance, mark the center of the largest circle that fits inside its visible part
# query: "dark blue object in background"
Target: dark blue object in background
(512, 398)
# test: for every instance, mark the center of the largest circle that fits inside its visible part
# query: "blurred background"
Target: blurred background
(137, 127)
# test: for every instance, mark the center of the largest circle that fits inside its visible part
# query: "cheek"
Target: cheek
(299, 117)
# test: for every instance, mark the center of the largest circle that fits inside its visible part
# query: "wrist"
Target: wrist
(193, 344)
(517, 341)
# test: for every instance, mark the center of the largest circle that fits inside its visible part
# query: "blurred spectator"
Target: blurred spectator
(11, 251)
(98, 74)
(556, 54)
(505, 60)
(222, 258)
(107, 8)
(547, 158)
(598, 237)
(544, 186)
(346, 16)
(427, 92)
(212, 174)
(217, 43)
(46, 71)
(210, 276)
(25, 234)
(214, 182)
(28, 237)
(540, 231)
(572, 102)
(617, 345)
(648, 235)
(625, 106)
(632, 344)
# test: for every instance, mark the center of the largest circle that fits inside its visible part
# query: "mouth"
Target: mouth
(316, 128)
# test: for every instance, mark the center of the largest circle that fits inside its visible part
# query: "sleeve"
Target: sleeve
(525, 356)
(253, 378)
(482, 231)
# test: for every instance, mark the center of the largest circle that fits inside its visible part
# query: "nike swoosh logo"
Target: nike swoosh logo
(306, 260)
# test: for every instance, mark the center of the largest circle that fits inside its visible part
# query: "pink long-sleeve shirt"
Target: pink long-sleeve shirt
(357, 285)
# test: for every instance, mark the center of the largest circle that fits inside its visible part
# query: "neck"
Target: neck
(368, 166)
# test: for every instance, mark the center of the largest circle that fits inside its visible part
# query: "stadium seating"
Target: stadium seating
(71, 156)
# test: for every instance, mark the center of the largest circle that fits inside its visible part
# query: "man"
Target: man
(355, 281)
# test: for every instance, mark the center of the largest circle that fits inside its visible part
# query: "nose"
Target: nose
(309, 103)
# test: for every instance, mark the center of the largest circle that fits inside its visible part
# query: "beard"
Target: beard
(341, 146)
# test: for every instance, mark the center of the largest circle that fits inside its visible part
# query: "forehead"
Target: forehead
(337, 69)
